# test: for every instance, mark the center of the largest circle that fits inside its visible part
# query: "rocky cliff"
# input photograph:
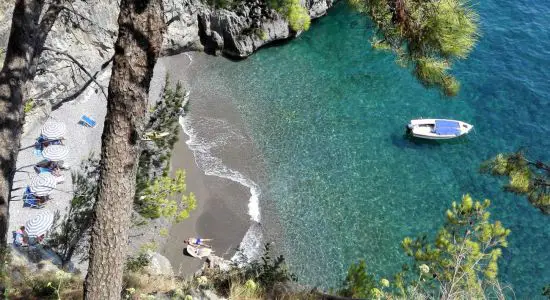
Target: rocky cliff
(81, 42)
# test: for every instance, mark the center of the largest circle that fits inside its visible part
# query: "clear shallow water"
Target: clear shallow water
(328, 115)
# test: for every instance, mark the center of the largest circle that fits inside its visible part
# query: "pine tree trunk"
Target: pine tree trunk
(141, 26)
(27, 37)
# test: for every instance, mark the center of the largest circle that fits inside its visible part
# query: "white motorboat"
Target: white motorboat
(438, 129)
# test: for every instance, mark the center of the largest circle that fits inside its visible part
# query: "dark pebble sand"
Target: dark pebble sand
(222, 204)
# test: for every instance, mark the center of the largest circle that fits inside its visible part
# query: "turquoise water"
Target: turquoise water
(328, 115)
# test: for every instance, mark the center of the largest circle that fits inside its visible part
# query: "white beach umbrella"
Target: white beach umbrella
(53, 129)
(42, 184)
(40, 224)
(55, 153)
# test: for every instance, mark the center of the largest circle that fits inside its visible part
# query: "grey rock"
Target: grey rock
(248, 27)
(89, 29)
(158, 265)
(216, 262)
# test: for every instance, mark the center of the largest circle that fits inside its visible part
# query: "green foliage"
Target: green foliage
(525, 177)
(156, 194)
(433, 71)
(54, 285)
(149, 246)
(358, 283)
(546, 291)
(459, 263)
(297, 15)
(248, 290)
(261, 34)
(163, 232)
(158, 199)
(138, 262)
(265, 273)
(433, 33)
(71, 233)
(465, 253)
(28, 106)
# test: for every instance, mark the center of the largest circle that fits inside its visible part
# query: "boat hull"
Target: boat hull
(438, 129)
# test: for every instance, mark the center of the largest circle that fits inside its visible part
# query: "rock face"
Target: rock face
(249, 26)
(87, 30)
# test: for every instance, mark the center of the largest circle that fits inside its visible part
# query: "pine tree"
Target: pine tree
(526, 177)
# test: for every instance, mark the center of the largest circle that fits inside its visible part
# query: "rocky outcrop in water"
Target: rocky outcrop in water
(249, 26)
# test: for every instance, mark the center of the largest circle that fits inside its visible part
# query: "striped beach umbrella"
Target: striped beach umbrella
(42, 184)
(40, 224)
(53, 130)
(55, 153)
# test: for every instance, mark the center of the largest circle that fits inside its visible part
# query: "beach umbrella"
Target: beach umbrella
(40, 224)
(55, 153)
(42, 184)
(52, 130)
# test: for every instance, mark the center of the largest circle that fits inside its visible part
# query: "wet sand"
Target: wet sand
(222, 204)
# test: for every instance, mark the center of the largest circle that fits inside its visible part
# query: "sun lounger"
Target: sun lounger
(30, 200)
(87, 121)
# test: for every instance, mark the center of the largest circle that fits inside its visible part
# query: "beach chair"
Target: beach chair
(30, 200)
(87, 121)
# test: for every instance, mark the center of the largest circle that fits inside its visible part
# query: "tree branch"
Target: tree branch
(92, 77)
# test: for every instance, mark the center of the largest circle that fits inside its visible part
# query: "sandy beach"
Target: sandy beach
(81, 142)
(222, 204)
(222, 211)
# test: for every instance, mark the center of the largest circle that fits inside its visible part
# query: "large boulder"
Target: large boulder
(252, 24)
(158, 265)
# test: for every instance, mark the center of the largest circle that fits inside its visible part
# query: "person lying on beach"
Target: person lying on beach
(53, 167)
(198, 242)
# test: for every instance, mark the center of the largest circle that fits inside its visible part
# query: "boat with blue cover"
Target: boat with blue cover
(438, 129)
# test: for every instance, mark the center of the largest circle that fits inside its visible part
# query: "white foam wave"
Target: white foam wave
(250, 247)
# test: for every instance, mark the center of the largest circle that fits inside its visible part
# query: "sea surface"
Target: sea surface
(335, 176)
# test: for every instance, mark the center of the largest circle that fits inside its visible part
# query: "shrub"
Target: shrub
(137, 263)
(265, 273)
(158, 198)
(28, 106)
(297, 15)
(358, 283)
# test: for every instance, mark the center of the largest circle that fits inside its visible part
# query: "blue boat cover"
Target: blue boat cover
(445, 127)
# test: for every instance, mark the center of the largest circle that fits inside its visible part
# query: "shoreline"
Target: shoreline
(212, 218)
(227, 201)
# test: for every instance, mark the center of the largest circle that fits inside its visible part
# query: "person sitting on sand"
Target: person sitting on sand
(198, 242)
(20, 237)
